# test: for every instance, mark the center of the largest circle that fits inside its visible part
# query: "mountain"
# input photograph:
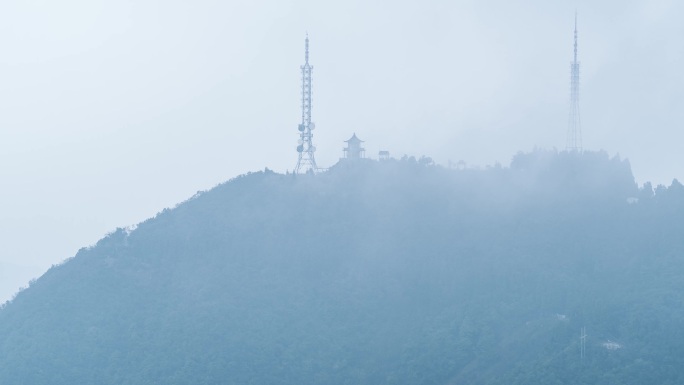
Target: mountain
(392, 272)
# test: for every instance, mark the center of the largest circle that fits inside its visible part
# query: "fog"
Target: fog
(111, 111)
(375, 272)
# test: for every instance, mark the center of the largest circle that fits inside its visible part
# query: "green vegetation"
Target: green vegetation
(393, 272)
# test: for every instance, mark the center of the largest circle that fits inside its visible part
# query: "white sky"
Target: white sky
(111, 110)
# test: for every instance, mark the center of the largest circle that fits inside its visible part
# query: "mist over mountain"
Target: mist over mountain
(390, 272)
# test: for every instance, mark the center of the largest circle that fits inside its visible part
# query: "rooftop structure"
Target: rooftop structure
(354, 149)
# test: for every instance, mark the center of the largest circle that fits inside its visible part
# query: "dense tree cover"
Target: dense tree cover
(393, 272)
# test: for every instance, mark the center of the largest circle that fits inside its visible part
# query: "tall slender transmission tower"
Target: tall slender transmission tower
(574, 140)
(306, 161)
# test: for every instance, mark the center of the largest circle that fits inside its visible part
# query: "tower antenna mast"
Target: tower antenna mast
(306, 161)
(574, 139)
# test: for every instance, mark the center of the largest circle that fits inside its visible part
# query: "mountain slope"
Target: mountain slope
(395, 272)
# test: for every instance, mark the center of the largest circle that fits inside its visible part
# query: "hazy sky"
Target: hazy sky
(111, 111)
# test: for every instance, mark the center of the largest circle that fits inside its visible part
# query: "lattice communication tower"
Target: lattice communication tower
(574, 139)
(306, 161)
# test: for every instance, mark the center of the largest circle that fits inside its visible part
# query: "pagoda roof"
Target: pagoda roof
(354, 139)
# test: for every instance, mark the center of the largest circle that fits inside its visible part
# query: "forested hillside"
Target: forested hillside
(392, 272)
